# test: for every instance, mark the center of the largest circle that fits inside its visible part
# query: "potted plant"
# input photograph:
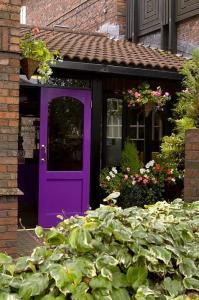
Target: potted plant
(145, 96)
(36, 56)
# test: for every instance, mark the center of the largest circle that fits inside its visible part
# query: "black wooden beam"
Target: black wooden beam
(148, 138)
(132, 20)
(117, 70)
(164, 14)
(95, 142)
(172, 27)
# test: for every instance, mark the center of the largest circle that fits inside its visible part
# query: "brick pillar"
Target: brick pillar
(9, 107)
(191, 182)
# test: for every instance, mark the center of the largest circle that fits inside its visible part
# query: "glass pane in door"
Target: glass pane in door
(65, 134)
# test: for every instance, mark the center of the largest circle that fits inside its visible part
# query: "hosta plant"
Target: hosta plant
(112, 254)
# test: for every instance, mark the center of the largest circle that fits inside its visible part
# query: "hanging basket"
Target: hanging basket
(29, 66)
(147, 109)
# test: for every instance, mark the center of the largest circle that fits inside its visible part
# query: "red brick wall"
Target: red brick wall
(9, 106)
(77, 14)
(86, 14)
(191, 182)
(188, 35)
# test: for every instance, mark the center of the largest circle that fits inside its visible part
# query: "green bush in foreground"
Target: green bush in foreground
(111, 253)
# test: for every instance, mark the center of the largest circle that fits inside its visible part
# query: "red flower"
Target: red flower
(158, 168)
(168, 172)
(169, 178)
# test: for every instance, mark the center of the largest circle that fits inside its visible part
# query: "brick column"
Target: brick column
(9, 114)
(191, 182)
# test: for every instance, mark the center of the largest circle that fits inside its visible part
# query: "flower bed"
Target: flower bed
(146, 186)
(112, 254)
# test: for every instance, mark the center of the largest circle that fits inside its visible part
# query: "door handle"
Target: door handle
(43, 153)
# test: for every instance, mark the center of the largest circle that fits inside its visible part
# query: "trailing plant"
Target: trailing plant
(145, 95)
(185, 113)
(129, 157)
(36, 49)
(111, 254)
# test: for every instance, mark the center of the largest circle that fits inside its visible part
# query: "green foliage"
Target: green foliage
(112, 254)
(172, 148)
(36, 49)
(130, 158)
(185, 113)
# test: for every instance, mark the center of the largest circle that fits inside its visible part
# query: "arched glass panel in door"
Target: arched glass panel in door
(65, 134)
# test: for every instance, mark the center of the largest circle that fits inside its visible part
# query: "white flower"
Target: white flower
(142, 171)
(111, 174)
(133, 182)
(150, 164)
(108, 178)
(114, 170)
(148, 171)
(128, 169)
(173, 179)
(171, 171)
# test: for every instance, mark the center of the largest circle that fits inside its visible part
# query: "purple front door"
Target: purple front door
(65, 123)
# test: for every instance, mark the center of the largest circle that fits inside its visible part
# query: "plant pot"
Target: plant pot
(147, 109)
(29, 66)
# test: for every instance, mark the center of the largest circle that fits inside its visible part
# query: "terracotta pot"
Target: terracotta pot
(29, 66)
(147, 109)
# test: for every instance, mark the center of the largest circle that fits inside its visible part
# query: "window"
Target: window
(156, 127)
(23, 15)
(136, 125)
(136, 129)
(113, 131)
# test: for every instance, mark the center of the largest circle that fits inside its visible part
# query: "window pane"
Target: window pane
(114, 131)
(133, 133)
(141, 132)
(65, 134)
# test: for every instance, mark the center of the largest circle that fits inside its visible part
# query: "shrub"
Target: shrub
(130, 158)
(112, 254)
(185, 113)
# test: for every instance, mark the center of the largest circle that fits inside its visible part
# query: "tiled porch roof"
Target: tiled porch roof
(98, 48)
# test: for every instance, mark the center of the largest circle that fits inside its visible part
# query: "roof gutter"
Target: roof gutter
(117, 70)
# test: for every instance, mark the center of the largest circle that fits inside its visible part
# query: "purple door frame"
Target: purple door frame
(63, 192)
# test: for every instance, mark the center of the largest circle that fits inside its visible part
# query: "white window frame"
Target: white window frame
(23, 15)
(114, 122)
(159, 126)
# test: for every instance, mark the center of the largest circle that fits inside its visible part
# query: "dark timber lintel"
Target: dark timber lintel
(117, 70)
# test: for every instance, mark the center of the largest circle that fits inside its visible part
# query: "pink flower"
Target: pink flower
(137, 95)
(154, 180)
(130, 92)
(139, 179)
(145, 181)
(126, 177)
(166, 94)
